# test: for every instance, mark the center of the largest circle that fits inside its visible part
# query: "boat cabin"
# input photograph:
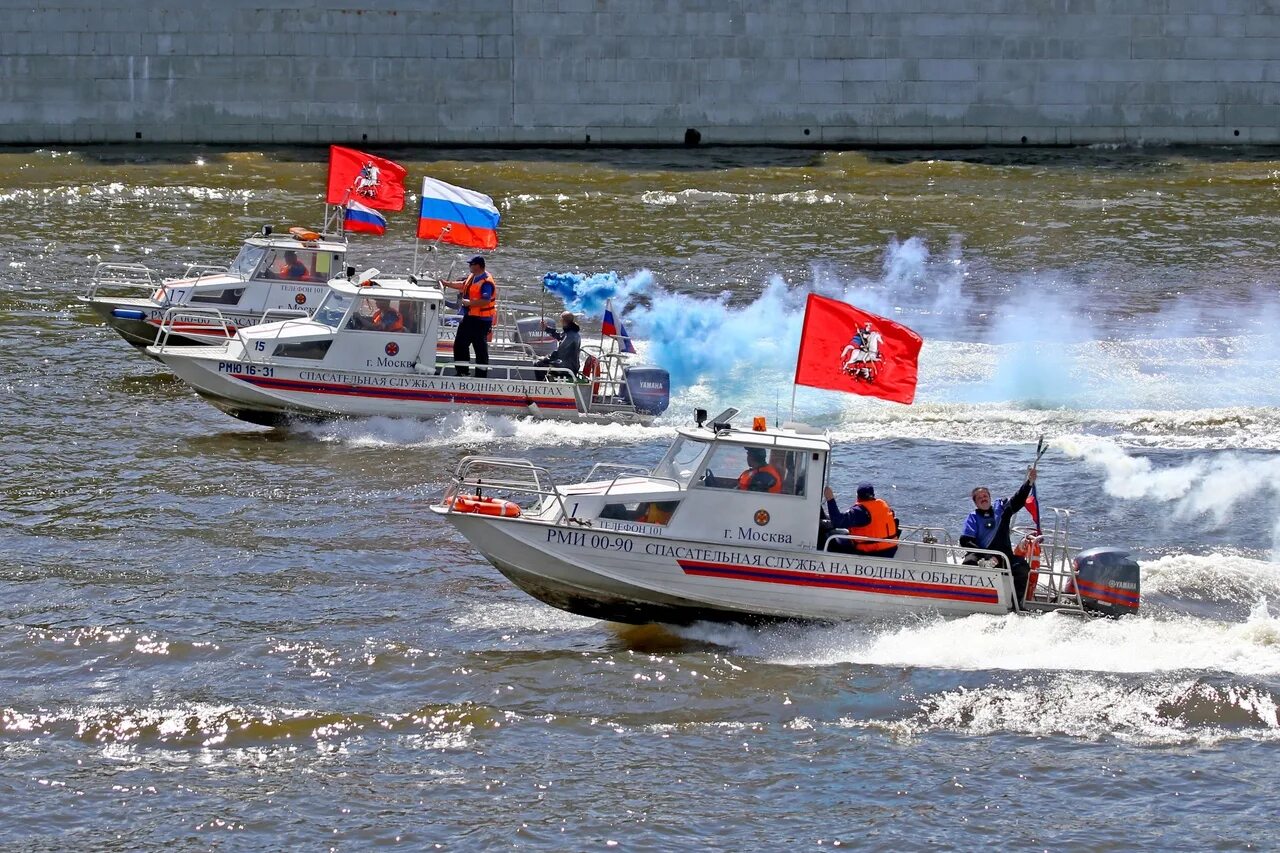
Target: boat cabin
(701, 489)
(365, 323)
(271, 272)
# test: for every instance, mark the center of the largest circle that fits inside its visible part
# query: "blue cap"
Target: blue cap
(866, 490)
(478, 259)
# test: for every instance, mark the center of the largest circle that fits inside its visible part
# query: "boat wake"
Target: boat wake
(468, 430)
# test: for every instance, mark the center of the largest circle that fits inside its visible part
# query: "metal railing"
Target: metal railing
(201, 316)
(124, 277)
(622, 467)
(199, 271)
(480, 474)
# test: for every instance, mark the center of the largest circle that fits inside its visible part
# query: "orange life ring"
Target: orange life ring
(1029, 548)
(485, 506)
(303, 234)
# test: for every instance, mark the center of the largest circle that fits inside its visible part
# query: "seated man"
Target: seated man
(567, 352)
(386, 318)
(293, 268)
(760, 476)
(870, 517)
(988, 527)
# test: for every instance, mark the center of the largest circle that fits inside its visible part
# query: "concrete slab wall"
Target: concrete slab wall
(857, 72)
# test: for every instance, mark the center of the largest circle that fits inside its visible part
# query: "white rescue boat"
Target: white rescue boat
(337, 363)
(680, 544)
(285, 274)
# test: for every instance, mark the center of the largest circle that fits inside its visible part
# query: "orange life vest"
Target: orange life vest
(744, 479)
(1029, 548)
(883, 525)
(397, 326)
(487, 311)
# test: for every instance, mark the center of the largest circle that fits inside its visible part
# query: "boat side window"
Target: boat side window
(728, 464)
(332, 309)
(305, 349)
(379, 314)
(641, 512)
(247, 261)
(291, 265)
(681, 460)
(221, 296)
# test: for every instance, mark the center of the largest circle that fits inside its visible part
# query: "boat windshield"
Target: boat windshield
(332, 309)
(682, 460)
(247, 261)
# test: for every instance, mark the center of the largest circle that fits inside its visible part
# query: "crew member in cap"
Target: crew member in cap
(870, 517)
(479, 305)
(760, 476)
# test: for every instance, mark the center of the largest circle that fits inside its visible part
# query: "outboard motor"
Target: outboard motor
(649, 389)
(1108, 581)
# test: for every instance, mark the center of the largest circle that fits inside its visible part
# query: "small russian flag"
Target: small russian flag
(616, 330)
(363, 220)
(1033, 507)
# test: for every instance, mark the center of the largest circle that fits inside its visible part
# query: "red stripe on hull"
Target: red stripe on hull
(857, 584)
(422, 396)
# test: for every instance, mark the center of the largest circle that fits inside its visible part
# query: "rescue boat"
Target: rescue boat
(338, 363)
(684, 543)
(215, 301)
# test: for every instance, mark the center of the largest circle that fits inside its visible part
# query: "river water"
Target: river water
(216, 635)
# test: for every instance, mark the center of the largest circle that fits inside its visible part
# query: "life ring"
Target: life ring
(485, 506)
(1029, 549)
(303, 234)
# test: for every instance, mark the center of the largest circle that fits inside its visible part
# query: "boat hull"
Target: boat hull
(138, 322)
(636, 578)
(272, 394)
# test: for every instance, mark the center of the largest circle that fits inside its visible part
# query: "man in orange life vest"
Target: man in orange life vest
(293, 268)
(869, 517)
(479, 301)
(386, 318)
(760, 476)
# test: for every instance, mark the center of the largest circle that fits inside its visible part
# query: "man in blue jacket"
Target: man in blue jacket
(988, 527)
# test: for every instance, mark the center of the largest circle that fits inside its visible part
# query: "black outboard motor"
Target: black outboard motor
(1108, 581)
(649, 389)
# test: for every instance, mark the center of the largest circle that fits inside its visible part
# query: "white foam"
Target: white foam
(1156, 712)
(1215, 577)
(491, 431)
(1051, 642)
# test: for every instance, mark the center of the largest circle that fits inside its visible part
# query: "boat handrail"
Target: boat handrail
(175, 313)
(562, 374)
(640, 469)
(199, 271)
(548, 494)
(928, 535)
(952, 550)
(133, 276)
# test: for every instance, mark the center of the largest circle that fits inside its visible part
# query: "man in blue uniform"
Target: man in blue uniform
(988, 527)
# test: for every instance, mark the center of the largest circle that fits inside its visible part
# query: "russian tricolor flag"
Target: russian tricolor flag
(457, 215)
(616, 330)
(363, 220)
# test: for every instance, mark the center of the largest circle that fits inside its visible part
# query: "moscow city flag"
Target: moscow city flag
(357, 176)
(843, 348)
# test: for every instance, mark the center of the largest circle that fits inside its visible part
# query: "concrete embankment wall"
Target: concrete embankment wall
(821, 72)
